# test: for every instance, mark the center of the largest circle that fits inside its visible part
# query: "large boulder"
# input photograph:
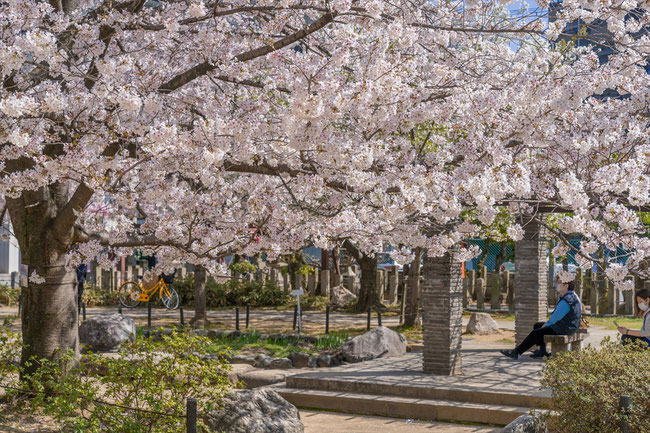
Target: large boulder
(526, 424)
(341, 296)
(300, 359)
(106, 332)
(482, 324)
(380, 342)
(255, 411)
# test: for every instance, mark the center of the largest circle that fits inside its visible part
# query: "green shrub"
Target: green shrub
(243, 267)
(311, 302)
(10, 347)
(586, 386)
(237, 292)
(9, 296)
(143, 389)
(95, 297)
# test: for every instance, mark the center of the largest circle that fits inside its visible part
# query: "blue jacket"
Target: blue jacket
(565, 319)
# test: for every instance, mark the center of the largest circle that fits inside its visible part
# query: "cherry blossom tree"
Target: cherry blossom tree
(177, 127)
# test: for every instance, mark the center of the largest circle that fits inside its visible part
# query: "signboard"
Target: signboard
(298, 292)
(24, 275)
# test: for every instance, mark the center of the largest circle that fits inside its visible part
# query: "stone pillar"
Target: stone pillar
(442, 314)
(471, 284)
(311, 283)
(531, 280)
(593, 293)
(495, 287)
(325, 283)
(381, 284)
(480, 294)
(465, 291)
(392, 285)
(510, 294)
(629, 299)
(612, 298)
(286, 284)
(578, 284)
(299, 280)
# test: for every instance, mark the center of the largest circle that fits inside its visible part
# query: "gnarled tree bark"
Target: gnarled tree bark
(200, 310)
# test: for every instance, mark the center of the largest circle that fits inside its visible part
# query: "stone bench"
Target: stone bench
(564, 343)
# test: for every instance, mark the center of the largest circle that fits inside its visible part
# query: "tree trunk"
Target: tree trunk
(200, 278)
(49, 315)
(368, 296)
(412, 308)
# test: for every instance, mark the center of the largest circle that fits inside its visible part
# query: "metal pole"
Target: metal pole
(327, 319)
(248, 314)
(191, 415)
(369, 310)
(148, 314)
(237, 318)
(295, 316)
(624, 403)
(378, 318)
(182, 316)
(83, 309)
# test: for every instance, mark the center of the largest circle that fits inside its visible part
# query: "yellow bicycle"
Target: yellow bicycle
(131, 294)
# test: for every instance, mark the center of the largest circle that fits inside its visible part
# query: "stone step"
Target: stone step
(401, 407)
(499, 397)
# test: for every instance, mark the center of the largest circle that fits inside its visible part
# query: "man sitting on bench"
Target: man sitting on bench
(565, 320)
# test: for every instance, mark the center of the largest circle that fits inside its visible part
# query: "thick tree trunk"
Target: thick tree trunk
(368, 296)
(412, 308)
(49, 316)
(200, 279)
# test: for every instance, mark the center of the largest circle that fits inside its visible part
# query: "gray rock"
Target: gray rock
(242, 359)
(341, 296)
(281, 363)
(264, 336)
(326, 361)
(255, 411)
(482, 324)
(300, 359)
(231, 334)
(313, 339)
(313, 362)
(380, 342)
(214, 334)
(526, 424)
(258, 378)
(262, 361)
(106, 332)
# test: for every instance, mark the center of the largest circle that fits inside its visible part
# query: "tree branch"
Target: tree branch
(203, 68)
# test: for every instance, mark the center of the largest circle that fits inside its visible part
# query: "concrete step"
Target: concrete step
(428, 391)
(401, 407)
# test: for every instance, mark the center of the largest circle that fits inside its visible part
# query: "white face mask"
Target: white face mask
(642, 306)
(559, 287)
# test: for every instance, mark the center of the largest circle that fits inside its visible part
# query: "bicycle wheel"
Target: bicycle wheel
(128, 294)
(169, 301)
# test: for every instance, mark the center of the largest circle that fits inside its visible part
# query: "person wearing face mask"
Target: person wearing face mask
(565, 320)
(643, 334)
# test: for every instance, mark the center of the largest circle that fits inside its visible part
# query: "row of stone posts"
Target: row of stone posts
(482, 286)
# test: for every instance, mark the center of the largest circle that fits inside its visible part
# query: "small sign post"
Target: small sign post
(297, 294)
(24, 275)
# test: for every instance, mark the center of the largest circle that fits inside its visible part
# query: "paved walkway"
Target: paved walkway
(327, 422)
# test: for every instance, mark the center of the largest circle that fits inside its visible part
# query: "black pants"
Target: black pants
(535, 338)
(80, 292)
(627, 339)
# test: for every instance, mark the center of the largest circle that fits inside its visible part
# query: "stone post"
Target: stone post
(593, 293)
(510, 293)
(392, 285)
(495, 297)
(273, 276)
(325, 283)
(480, 294)
(442, 314)
(381, 284)
(531, 280)
(471, 275)
(286, 284)
(311, 283)
(612, 298)
(578, 282)
(299, 279)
